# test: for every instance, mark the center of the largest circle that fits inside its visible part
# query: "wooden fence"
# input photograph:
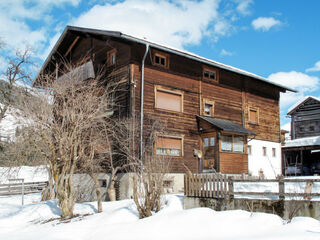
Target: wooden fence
(222, 186)
(18, 188)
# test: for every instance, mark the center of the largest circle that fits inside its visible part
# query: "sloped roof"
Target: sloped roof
(302, 142)
(160, 47)
(297, 105)
(227, 125)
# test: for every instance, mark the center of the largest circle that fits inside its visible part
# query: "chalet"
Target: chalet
(219, 118)
(301, 154)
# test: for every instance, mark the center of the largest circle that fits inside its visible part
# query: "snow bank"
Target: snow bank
(306, 141)
(120, 221)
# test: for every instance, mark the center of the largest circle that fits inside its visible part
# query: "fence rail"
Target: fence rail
(18, 188)
(222, 186)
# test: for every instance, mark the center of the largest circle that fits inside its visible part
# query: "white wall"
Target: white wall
(270, 165)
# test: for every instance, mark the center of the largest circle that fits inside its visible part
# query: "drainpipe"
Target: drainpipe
(141, 104)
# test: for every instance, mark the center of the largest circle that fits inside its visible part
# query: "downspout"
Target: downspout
(141, 103)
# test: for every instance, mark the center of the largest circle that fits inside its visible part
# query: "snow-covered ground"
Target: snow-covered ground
(29, 174)
(120, 221)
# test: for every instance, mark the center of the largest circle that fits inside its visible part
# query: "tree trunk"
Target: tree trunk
(65, 196)
(98, 192)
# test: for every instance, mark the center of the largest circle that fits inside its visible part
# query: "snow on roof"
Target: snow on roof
(296, 105)
(300, 142)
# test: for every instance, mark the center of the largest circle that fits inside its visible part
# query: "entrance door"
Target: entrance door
(209, 148)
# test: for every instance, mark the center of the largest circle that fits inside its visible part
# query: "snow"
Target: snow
(120, 221)
(28, 173)
(306, 141)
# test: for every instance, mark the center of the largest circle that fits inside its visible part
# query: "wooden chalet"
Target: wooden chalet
(301, 154)
(212, 110)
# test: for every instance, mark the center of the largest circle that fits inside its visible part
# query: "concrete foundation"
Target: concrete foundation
(284, 208)
(85, 188)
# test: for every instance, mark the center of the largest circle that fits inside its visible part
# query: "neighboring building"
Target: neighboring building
(301, 154)
(213, 111)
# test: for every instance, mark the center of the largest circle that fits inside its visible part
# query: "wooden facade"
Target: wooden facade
(301, 154)
(203, 89)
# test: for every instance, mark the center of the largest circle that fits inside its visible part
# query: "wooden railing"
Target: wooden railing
(222, 186)
(19, 188)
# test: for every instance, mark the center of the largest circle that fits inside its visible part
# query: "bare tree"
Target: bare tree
(149, 172)
(16, 72)
(67, 114)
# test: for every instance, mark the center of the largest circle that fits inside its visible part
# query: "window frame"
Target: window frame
(264, 151)
(181, 137)
(244, 151)
(209, 102)
(210, 70)
(274, 152)
(110, 53)
(161, 55)
(255, 109)
(170, 91)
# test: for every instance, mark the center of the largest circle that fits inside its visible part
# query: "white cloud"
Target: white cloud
(303, 83)
(225, 53)
(244, 6)
(17, 32)
(265, 23)
(176, 23)
(315, 68)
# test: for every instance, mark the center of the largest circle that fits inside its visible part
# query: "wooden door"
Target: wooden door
(209, 149)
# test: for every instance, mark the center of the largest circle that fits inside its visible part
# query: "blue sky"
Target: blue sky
(276, 39)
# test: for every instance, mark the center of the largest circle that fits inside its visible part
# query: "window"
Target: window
(301, 129)
(207, 107)
(274, 152)
(111, 58)
(249, 149)
(169, 146)
(209, 142)
(209, 74)
(264, 151)
(230, 143)
(169, 100)
(253, 115)
(311, 128)
(238, 144)
(161, 60)
(226, 143)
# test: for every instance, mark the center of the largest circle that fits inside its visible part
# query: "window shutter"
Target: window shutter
(169, 101)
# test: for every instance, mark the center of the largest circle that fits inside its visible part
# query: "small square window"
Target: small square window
(160, 60)
(311, 128)
(301, 129)
(209, 74)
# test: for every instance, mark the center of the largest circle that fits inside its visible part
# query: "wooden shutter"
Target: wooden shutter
(253, 115)
(169, 143)
(168, 101)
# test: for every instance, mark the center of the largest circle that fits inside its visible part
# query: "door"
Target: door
(209, 149)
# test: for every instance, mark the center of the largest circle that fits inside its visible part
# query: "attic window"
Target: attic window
(111, 57)
(160, 60)
(209, 74)
(311, 128)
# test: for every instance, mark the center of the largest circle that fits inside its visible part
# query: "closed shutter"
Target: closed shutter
(168, 101)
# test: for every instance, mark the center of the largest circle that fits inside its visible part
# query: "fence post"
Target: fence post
(281, 189)
(22, 192)
(230, 188)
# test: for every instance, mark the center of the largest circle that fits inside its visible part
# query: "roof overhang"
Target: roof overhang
(90, 31)
(226, 125)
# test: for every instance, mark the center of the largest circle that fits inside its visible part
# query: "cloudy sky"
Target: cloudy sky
(276, 39)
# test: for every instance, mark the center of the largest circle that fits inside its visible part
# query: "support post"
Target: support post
(281, 189)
